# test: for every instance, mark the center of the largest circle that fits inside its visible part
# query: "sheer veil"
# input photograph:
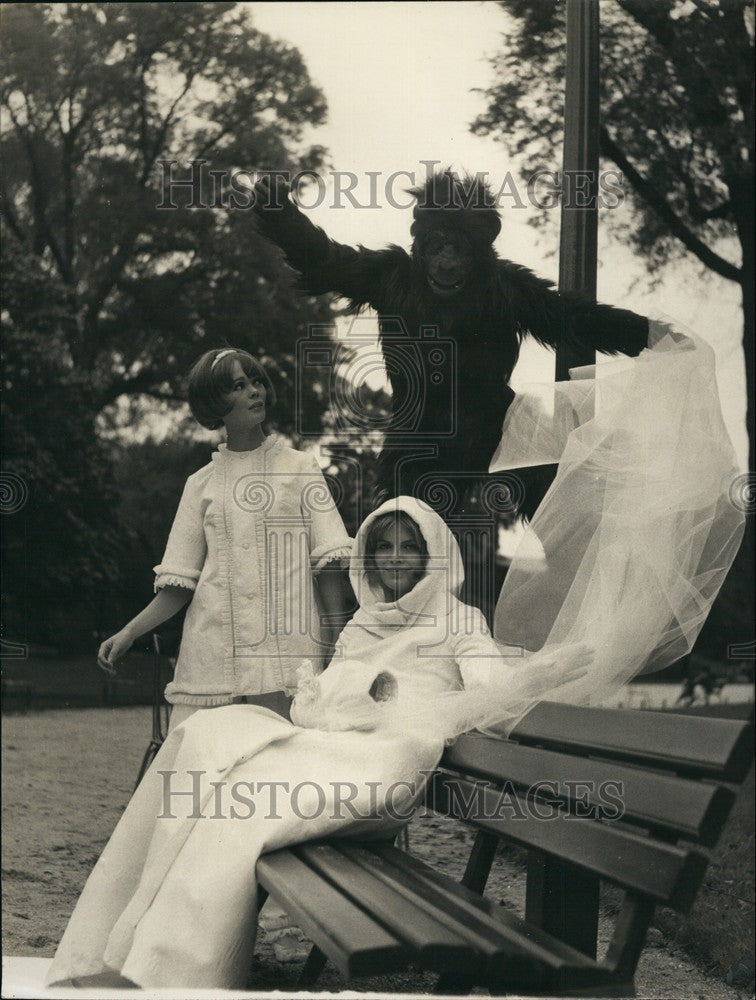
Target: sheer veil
(639, 529)
(621, 563)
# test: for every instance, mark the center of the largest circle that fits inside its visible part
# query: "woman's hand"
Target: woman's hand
(163, 606)
(550, 670)
(572, 663)
(112, 650)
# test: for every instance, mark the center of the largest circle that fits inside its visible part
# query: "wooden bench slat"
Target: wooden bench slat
(703, 747)
(472, 924)
(436, 945)
(356, 943)
(688, 808)
(518, 945)
(667, 873)
(500, 935)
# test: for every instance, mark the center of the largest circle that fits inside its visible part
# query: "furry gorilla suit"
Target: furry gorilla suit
(480, 308)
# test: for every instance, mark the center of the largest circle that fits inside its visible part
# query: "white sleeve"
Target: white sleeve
(481, 660)
(185, 552)
(329, 540)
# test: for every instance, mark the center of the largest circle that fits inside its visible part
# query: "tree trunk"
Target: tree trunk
(743, 573)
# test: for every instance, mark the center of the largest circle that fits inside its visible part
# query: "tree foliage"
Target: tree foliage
(95, 97)
(61, 539)
(677, 118)
(108, 296)
(676, 113)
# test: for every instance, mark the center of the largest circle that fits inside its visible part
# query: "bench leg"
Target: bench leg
(314, 965)
(480, 861)
(563, 901)
(149, 755)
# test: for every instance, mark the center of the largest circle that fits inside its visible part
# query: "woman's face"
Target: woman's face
(247, 398)
(399, 560)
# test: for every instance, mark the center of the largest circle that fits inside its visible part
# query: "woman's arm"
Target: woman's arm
(166, 603)
(333, 592)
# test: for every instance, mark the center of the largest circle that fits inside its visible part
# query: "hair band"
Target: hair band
(223, 354)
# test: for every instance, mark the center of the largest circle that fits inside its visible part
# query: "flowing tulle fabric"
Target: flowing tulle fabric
(638, 530)
(621, 563)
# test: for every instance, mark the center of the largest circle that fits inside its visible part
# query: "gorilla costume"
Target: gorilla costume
(452, 316)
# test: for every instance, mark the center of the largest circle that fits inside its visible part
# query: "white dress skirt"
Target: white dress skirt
(172, 901)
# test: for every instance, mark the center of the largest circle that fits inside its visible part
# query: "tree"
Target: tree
(108, 295)
(677, 119)
(61, 538)
(101, 101)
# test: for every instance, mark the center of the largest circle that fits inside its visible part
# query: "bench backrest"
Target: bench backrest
(631, 797)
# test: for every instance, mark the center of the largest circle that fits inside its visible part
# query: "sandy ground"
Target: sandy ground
(67, 776)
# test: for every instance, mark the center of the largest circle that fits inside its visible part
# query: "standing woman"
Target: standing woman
(254, 529)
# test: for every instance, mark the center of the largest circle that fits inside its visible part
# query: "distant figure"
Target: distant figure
(710, 685)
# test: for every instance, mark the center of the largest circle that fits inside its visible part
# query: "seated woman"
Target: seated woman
(172, 899)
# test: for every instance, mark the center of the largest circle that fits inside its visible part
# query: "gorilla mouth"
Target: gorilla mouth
(443, 286)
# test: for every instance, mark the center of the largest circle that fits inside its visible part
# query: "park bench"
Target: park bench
(372, 909)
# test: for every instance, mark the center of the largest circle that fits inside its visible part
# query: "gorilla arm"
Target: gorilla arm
(569, 319)
(360, 275)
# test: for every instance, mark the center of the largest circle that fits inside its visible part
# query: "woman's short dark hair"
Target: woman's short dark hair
(379, 525)
(211, 379)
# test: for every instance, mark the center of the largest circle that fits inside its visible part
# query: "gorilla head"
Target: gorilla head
(455, 224)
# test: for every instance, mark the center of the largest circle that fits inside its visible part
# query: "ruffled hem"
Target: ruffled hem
(320, 558)
(219, 700)
(172, 580)
(201, 700)
(175, 576)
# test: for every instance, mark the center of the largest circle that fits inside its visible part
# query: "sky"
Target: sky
(400, 81)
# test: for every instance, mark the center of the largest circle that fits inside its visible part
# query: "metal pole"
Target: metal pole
(562, 899)
(579, 233)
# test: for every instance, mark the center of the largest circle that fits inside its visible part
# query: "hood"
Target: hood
(444, 575)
